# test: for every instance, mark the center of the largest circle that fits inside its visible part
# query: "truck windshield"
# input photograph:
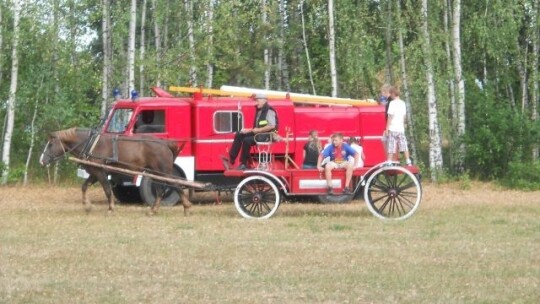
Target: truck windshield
(119, 120)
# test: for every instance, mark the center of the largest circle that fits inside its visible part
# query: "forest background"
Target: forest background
(468, 71)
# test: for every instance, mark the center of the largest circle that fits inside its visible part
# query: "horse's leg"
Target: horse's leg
(160, 190)
(106, 185)
(185, 202)
(85, 200)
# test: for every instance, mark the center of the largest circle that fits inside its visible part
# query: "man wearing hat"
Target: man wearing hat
(265, 121)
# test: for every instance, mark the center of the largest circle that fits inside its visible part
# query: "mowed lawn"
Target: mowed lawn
(462, 246)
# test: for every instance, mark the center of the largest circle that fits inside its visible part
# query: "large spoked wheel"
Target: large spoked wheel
(256, 197)
(392, 193)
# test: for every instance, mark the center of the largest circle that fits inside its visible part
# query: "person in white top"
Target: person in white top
(395, 126)
(355, 144)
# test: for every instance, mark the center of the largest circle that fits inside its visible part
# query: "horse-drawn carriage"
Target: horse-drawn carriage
(202, 127)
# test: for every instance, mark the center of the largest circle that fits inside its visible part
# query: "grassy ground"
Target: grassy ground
(462, 246)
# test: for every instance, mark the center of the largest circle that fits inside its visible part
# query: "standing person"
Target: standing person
(355, 144)
(338, 154)
(266, 120)
(311, 150)
(395, 127)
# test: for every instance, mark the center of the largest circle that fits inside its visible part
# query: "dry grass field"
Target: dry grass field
(462, 246)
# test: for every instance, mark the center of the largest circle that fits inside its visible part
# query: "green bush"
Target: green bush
(522, 175)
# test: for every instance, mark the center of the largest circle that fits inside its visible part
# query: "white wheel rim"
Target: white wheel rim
(406, 214)
(240, 208)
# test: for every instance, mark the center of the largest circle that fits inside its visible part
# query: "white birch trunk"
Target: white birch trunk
(282, 62)
(189, 16)
(304, 42)
(142, 48)
(131, 47)
(12, 93)
(266, 50)
(1, 47)
(388, 38)
(32, 136)
(535, 76)
(105, 93)
(157, 41)
(332, 47)
(451, 83)
(458, 73)
(405, 80)
(210, 33)
(522, 70)
(435, 150)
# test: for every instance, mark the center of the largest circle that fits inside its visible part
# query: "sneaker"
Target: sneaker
(241, 167)
(409, 162)
(330, 191)
(347, 190)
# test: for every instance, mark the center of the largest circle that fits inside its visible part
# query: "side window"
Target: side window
(150, 121)
(119, 120)
(228, 121)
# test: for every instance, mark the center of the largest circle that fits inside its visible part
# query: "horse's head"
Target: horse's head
(54, 149)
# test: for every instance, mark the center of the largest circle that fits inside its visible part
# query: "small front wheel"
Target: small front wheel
(256, 197)
(392, 193)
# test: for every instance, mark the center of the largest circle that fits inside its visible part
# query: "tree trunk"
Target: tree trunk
(304, 42)
(535, 76)
(388, 36)
(210, 33)
(142, 49)
(131, 47)
(189, 16)
(266, 50)
(435, 150)
(12, 93)
(1, 47)
(105, 93)
(522, 70)
(451, 84)
(332, 47)
(456, 24)
(157, 41)
(405, 79)
(282, 62)
(32, 135)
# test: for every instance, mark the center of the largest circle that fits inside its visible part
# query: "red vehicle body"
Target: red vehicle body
(205, 125)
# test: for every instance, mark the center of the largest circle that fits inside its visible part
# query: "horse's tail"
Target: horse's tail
(173, 146)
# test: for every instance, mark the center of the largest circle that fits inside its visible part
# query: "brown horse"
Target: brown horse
(136, 153)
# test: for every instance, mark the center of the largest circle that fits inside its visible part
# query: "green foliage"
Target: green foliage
(522, 175)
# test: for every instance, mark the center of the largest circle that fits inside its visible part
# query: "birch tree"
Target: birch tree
(210, 37)
(456, 43)
(535, 76)
(131, 46)
(435, 150)
(189, 17)
(332, 47)
(12, 93)
(306, 49)
(142, 48)
(157, 42)
(405, 80)
(105, 26)
(266, 52)
(388, 38)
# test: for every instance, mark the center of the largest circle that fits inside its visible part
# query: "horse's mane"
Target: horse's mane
(68, 134)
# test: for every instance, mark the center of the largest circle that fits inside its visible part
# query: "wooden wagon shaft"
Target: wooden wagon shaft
(153, 176)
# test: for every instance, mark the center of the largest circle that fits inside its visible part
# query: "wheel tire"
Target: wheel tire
(393, 193)
(256, 197)
(148, 191)
(127, 194)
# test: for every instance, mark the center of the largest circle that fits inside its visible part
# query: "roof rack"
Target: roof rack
(294, 97)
